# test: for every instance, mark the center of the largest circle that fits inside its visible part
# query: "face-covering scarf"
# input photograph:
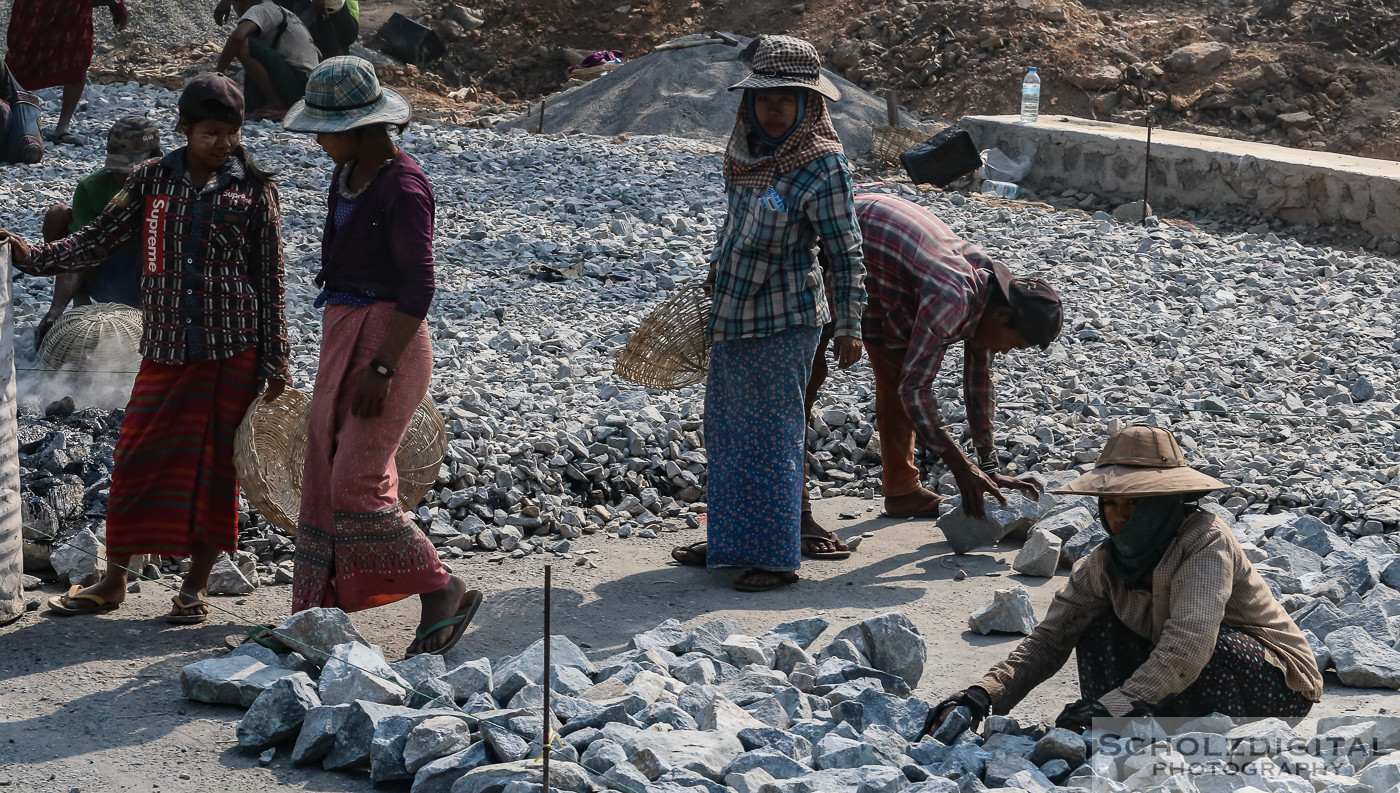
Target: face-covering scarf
(1136, 550)
(812, 136)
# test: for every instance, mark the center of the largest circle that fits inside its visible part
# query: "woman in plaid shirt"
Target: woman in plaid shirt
(213, 330)
(789, 190)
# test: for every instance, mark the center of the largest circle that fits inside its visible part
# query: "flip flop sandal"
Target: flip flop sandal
(187, 619)
(692, 555)
(779, 579)
(471, 601)
(62, 604)
(63, 137)
(263, 635)
(841, 552)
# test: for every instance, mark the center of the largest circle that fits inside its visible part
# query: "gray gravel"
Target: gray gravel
(164, 22)
(1274, 363)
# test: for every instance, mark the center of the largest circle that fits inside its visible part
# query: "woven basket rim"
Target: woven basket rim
(670, 349)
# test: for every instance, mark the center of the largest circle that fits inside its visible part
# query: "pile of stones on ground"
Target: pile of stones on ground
(1274, 363)
(711, 710)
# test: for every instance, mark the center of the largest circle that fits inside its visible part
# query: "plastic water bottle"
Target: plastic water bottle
(1001, 189)
(1030, 97)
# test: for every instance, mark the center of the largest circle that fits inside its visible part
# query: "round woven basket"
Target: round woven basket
(270, 450)
(890, 142)
(102, 337)
(420, 453)
(671, 348)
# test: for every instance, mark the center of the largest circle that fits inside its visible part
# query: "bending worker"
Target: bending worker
(1166, 618)
(928, 290)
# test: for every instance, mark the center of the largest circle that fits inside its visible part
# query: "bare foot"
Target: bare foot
(438, 606)
(920, 503)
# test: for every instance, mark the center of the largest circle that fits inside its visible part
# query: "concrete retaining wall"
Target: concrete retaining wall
(1199, 171)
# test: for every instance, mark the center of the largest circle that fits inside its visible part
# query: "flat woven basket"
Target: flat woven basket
(102, 337)
(890, 142)
(269, 451)
(671, 348)
(591, 73)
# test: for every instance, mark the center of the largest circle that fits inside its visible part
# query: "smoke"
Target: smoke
(100, 379)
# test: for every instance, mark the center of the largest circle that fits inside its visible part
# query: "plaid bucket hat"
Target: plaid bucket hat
(344, 93)
(787, 62)
(130, 142)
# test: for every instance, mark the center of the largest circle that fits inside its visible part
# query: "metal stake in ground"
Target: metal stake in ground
(548, 739)
(1147, 165)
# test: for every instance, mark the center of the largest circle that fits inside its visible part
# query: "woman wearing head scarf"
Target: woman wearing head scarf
(355, 548)
(789, 191)
(1167, 617)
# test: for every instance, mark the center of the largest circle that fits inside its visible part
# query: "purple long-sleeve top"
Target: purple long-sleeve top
(384, 251)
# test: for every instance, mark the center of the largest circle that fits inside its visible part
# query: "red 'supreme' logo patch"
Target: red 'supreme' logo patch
(153, 253)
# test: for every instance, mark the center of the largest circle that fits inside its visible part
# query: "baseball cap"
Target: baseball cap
(130, 142)
(212, 97)
(1036, 311)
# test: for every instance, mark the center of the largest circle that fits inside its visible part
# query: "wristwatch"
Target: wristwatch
(381, 369)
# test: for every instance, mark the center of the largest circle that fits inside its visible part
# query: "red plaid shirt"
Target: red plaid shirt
(212, 271)
(927, 290)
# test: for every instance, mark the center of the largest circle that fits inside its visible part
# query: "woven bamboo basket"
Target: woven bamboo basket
(102, 337)
(592, 72)
(890, 142)
(671, 348)
(269, 449)
(420, 453)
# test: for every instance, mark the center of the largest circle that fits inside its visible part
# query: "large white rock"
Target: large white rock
(1009, 612)
(1040, 556)
(81, 560)
(356, 672)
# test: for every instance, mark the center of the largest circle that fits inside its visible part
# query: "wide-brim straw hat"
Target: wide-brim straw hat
(1138, 462)
(787, 62)
(344, 93)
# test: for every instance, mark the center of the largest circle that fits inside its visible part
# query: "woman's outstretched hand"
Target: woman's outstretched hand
(19, 252)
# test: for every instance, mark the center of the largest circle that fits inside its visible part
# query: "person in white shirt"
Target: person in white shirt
(276, 52)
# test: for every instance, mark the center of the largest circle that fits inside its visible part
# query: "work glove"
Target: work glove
(1079, 716)
(974, 698)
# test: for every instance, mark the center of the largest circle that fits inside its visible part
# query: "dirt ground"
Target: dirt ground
(93, 703)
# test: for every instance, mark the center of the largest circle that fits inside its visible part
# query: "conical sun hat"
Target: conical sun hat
(1141, 461)
(788, 62)
(344, 93)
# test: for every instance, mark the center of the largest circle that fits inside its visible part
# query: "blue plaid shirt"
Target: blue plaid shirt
(764, 267)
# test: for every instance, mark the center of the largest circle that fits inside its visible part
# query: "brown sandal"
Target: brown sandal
(812, 544)
(744, 582)
(182, 604)
(692, 555)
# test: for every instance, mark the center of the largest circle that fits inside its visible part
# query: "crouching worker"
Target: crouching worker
(130, 142)
(213, 330)
(276, 52)
(1167, 617)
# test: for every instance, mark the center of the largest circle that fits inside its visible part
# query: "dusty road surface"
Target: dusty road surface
(93, 703)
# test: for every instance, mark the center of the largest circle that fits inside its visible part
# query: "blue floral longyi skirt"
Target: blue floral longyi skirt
(755, 439)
